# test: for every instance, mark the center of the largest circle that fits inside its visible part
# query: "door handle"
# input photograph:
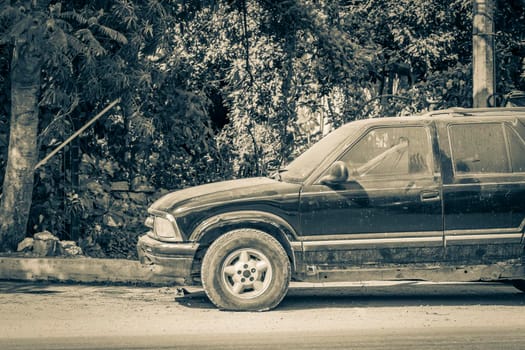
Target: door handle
(428, 196)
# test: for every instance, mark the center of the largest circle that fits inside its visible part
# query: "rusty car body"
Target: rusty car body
(435, 197)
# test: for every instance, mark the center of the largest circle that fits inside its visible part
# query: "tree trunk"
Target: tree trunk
(483, 71)
(22, 154)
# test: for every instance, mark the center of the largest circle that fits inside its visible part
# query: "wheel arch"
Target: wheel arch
(209, 230)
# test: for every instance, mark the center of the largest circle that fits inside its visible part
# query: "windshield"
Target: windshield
(310, 160)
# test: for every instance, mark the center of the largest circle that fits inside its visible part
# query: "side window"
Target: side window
(391, 151)
(517, 150)
(478, 148)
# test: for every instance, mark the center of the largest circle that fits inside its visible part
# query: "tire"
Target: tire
(246, 270)
(519, 284)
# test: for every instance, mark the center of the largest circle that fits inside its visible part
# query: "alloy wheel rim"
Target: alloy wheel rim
(246, 273)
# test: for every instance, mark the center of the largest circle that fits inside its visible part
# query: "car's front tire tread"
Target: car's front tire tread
(218, 289)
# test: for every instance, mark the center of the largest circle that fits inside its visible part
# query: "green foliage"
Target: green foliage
(180, 150)
(510, 45)
(427, 34)
(90, 56)
(213, 90)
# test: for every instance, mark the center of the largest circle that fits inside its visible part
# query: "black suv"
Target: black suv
(437, 197)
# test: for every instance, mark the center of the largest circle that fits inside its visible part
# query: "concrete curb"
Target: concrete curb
(83, 270)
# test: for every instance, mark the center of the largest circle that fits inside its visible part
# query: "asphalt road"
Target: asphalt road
(352, 316)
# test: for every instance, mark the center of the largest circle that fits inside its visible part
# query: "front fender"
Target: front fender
(239, 217)
(251, 218)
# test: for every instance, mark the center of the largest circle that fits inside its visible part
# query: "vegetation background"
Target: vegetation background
(210, 90)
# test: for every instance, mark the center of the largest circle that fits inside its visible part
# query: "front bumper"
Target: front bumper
(174, 259)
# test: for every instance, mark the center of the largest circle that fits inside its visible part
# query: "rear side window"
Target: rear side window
(479, 148)
(517, 150)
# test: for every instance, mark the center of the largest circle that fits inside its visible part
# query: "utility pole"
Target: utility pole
(483, 73)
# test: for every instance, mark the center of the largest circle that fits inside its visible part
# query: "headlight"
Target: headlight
(164, 227)
(150, 221)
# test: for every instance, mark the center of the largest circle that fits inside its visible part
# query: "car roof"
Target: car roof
(450, 114)
(477, 112)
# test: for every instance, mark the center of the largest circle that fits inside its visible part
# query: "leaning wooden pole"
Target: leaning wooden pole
(483, 73)
(78, 132)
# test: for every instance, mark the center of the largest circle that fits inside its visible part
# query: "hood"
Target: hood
(184, 200)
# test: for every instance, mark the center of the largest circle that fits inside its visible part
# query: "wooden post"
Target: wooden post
(483, 74)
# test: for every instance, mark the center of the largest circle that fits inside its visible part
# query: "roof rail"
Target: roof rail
(463, 112)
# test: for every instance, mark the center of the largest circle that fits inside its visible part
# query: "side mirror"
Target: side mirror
(337, 174)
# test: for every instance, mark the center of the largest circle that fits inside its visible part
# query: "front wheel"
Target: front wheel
(519, 284)
(246, 270)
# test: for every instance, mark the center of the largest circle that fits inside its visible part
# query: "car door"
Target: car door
(389, 211)
(483, 191)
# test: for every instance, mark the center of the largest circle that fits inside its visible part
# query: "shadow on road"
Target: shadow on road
(27, 288)
(375, 297)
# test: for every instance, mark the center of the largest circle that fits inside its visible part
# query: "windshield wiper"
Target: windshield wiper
(277, 174)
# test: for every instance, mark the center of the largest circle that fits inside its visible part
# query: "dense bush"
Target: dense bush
(213, 90)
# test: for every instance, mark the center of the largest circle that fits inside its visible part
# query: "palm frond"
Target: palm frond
(76, 46)
(72, 15)
(113, 34)
(125, 10)
(147, 30)
(155, 8)
(94, 46)
(64, 25)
